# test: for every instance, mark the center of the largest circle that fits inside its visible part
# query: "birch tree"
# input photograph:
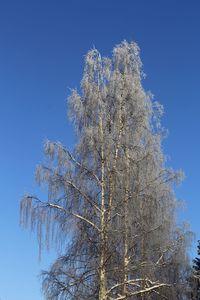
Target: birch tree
(110, 201)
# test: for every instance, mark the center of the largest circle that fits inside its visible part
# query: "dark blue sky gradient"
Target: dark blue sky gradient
(42, 47)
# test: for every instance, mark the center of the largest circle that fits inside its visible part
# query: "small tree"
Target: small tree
(112, 197)
(196, 276)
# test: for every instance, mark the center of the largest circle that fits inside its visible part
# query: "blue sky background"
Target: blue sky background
(42, 46)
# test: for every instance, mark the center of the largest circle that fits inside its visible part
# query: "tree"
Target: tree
(112, 198)
(196, 276)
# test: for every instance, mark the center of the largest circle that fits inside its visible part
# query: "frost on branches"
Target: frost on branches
(112, 198)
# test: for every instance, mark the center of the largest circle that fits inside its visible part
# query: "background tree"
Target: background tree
(112, 198)
(196, 276)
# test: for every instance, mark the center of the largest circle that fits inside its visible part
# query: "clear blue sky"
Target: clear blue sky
(42, 45)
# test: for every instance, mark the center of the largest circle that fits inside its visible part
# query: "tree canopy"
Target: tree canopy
(111, 201)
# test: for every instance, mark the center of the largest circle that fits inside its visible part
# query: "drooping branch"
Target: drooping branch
(75, 187)
(52, 205)
(77, 163)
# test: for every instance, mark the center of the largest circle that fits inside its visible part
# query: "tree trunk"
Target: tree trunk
(102, 283)
(126, 242)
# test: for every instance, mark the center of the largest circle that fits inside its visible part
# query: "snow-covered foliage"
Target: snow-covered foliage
(113, 196)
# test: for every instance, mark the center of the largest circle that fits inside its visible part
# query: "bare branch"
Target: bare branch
(73, 214)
